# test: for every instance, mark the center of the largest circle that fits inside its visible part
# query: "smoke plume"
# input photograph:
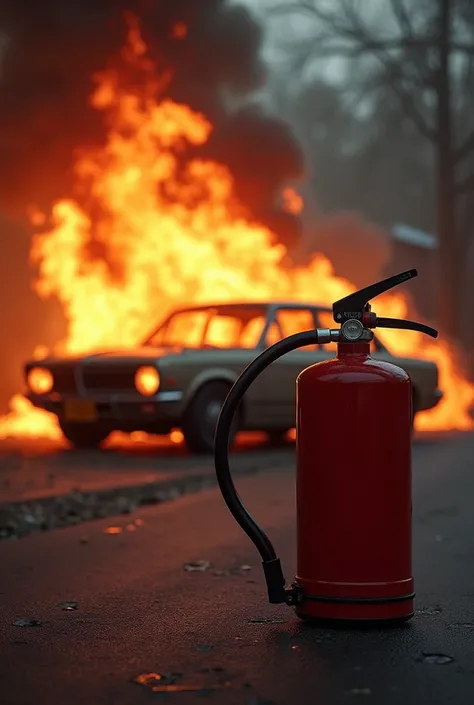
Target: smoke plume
(55, 47)
(49, 52)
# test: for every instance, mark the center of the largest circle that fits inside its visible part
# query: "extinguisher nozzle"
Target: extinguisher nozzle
(275, 581)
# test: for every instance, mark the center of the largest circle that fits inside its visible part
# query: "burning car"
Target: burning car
(179, 376)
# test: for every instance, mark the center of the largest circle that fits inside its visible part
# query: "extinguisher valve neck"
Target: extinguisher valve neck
(353, 331)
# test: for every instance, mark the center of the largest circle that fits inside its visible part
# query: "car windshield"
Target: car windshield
(216, 327)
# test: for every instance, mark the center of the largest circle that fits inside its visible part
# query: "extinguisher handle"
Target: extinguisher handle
(271, 563)
(406, 325)
(353, 306)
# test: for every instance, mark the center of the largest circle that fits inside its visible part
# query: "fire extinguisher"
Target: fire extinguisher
(353, 486)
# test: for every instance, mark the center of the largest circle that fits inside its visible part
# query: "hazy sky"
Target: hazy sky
(288, 27)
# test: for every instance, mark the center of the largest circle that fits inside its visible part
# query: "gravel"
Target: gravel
(19, 519)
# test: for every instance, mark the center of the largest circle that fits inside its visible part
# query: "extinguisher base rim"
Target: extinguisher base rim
(359, 600)
(357, 611)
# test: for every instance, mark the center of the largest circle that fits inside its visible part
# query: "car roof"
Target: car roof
(254, 304)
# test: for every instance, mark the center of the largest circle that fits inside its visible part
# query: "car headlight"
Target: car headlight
(147, 381)
(40, 380)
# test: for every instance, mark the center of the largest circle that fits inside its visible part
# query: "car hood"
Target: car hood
(106, 356)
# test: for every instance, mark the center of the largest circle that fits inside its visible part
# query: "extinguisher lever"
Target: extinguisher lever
(354, 305)
(406, 325)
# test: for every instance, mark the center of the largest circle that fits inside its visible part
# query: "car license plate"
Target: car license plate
(80, 410)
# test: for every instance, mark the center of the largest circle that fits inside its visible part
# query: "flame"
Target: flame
(159, 235)
(179, 30)
(292, 201)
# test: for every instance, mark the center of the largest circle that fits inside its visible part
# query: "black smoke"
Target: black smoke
(54, 48)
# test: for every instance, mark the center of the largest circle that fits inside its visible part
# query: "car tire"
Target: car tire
(277, 438)
(82, 435)
(200, 418)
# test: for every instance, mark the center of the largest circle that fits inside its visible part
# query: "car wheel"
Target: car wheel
(277, 437)
(200, 419)
(82, 435)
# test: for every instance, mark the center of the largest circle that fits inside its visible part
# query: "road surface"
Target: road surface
(139, 612)
(35, 468)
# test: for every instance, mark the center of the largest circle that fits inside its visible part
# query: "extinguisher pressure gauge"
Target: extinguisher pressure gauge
(352, 330)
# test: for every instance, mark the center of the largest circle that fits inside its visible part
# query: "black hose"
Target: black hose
(406, 325)
(271, 564)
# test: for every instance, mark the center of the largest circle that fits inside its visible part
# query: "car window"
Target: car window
(222, 330)
(219, 327)
(326, 320)
(184, 327)
(252, 332)
(288, 321)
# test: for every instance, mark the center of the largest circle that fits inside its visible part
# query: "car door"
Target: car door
(278, 409)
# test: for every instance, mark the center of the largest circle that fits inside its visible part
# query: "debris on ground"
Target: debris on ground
(19, 518)
(168, 683)
(200, 566)
(437, 659)
(27, 623)
(240, 570)
(429, 611)
(68, 606)
(152, 679)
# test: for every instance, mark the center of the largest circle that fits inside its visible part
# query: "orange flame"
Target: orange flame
(179, 30)
(292, 201)
(172, 238)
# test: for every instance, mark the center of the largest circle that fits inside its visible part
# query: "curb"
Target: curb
(22, 518)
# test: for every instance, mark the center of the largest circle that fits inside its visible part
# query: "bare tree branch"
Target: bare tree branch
(400, 13)
(410, 110)
(347, 24)
(326, 47)
(361, 35)
(350, 15)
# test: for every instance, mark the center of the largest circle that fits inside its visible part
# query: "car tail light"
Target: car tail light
(40, 380)
(147, 381)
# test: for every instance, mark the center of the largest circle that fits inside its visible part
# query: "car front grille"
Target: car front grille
(64, 380)
(100, 379)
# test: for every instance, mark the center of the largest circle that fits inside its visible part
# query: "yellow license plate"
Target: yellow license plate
(80, 410)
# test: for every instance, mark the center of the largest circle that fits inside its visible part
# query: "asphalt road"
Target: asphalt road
(35, 468)
(140, 612)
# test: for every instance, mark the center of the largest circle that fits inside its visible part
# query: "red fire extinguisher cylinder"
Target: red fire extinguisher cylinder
(354, 419)
(354, 488)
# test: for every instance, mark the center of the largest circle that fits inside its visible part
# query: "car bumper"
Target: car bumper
(118, 411)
